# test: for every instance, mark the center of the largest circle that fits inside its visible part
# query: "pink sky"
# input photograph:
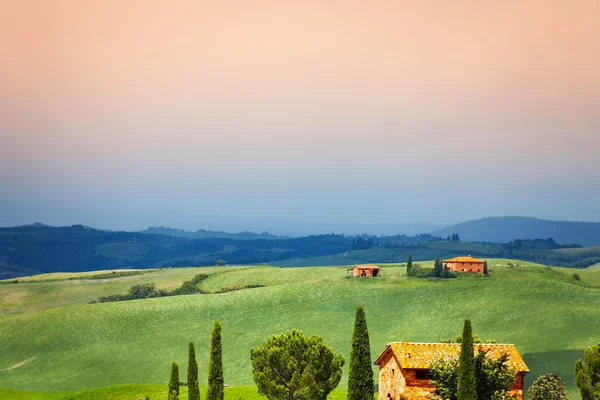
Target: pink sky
(273, 96)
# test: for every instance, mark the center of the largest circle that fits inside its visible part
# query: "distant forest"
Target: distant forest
(39, 248)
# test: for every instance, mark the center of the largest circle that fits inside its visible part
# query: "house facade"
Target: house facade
(365, 270)
(404, 367)
(464, 264)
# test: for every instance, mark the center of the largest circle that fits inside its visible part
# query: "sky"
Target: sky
(379, 112)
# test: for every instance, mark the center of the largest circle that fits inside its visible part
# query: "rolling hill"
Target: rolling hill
(505, 229)
(54, 341)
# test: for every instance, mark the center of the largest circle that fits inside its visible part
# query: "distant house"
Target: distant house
(365, 270)
(404, 367)
(464, 264)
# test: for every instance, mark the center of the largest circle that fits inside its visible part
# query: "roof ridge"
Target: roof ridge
(474, 344)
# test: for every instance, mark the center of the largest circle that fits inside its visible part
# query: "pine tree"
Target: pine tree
(192, 375)
(215, 366)
(360, 372)
(174, 379)
(409, 265)
(467, 382)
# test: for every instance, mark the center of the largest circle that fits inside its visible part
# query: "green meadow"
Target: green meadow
(56, 344)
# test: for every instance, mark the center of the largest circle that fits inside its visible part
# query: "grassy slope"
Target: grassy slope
(545, 312)
(134, 392)
(56, 290)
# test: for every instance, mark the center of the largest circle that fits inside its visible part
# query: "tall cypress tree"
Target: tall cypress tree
(409, 265)
(215, 366)
(360, 372)
(174, 379)
(192, 374)
(485, 268)
(467, 382)
(437, 268)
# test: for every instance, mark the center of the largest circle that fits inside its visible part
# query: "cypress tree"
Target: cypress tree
(174, 379)
(192, 375)
(409, 265)
(437, 268)
(467, 382)
(360, 372)
(485, 268)
(215, 366)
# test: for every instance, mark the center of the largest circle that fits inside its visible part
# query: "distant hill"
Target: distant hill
(207, 234)
(505, 229)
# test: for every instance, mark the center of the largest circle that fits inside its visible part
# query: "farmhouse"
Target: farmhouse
(404, 367)
(365, 270)
(464, 264)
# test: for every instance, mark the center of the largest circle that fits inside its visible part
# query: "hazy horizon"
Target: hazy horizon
(338, 112)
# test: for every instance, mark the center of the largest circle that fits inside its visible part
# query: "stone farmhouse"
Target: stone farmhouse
(404, 367)
(365, 270)
(464, 264)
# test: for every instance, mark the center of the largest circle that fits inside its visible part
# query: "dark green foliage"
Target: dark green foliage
(174, 379)
(189, 287)
(445, 272)
(360, 371)
(294, 366)
(110, 275)
(215, 366)
(409, 265)
(438, 268)
(485, 268)
(583, 263)
(148, 290)
(173, 396)
(361, 243)
(587, 374)
(192, 374)
(222, 263)
(226, 289)
(143, 291)
(416, 271)
(467, 384)
(548, 387)
(493, 378)
(576, 277)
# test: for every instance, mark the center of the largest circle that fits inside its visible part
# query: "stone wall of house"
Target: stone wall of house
(517, 388)
(394, 381)
(391, 380)
(466, 267)
(359, 272)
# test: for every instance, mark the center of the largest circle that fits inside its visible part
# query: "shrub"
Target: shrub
(548, 387)
(226, 289)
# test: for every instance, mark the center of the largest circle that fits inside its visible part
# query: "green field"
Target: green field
(52, 340)
(134, 392)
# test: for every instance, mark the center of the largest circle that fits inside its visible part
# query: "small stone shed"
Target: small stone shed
(371, 271)
(404, 367)
(464, 264)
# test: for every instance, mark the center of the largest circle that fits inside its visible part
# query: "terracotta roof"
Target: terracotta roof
(367, 266)
(422, 355)
(468, 259)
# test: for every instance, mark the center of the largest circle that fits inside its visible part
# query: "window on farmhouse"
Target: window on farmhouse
(423, 375)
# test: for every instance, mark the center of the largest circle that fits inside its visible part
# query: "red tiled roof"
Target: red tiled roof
(422, 355)
(366, 267)
(468, 259)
